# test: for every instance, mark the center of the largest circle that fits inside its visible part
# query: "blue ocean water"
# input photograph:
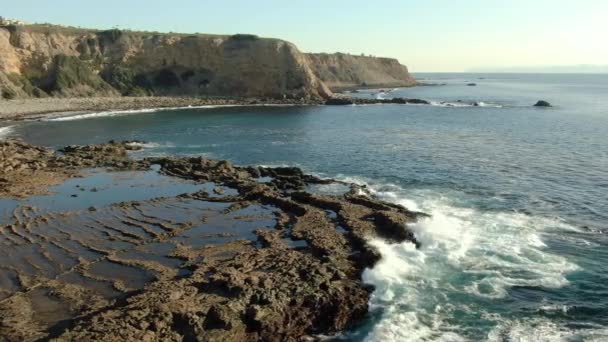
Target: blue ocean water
(516, 248)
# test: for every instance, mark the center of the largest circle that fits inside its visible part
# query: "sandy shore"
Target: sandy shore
(35, 108)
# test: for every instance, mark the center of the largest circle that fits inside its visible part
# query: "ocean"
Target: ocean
(516, 248)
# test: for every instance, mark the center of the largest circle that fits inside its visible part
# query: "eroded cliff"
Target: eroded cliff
(46, 60)
(340, 71)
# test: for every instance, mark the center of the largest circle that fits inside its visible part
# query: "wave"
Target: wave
(544, 330)
(5, 132)
(466, 104)
(467, 258)
(151, 145)
(152, 110)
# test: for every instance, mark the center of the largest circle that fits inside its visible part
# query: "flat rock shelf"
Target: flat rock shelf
(98, 245)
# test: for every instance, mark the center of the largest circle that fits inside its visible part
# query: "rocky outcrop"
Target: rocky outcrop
(42, 60)
(345, 101)
(542, 103)
(272, 260)
(344, 71)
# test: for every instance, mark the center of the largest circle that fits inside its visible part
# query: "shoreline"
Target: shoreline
(33, 109)
(292, 268)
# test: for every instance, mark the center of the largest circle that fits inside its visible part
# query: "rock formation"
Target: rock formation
(344, 71)
(542, 103)
(240, 260)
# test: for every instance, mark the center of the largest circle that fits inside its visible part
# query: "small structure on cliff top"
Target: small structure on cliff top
(6, 21)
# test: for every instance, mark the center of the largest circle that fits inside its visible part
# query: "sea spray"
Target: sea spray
(468, 259)
(5, 132)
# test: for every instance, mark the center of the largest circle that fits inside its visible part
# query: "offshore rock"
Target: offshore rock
(542, 103)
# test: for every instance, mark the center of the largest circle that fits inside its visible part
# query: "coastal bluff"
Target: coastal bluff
(344, 71)
(55, 61)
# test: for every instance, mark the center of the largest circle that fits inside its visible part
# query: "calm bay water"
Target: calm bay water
(516, 248)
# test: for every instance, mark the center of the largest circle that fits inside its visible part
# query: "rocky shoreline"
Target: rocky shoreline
(292, 278)
(33, 109)
(23, 109)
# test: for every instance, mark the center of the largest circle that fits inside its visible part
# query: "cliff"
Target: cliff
(340, 71)
(47, 60)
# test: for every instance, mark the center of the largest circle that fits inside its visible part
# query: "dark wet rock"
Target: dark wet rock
(399, 100)
(238, 289)
(335, 101)
(542, 103)
(418, 101)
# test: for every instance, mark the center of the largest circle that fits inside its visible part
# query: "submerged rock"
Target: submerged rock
(542, 103)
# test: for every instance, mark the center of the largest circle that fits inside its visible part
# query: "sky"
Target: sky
(425, 35)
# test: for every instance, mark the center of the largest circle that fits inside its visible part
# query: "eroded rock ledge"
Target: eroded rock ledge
(295, 278)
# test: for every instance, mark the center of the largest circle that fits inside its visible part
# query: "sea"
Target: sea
(516, 245)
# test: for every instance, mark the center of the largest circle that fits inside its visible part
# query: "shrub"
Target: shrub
(244, 37)
(110, 35)
(70, 72)
(8, 94)
(120, 78)
(37, 92)
(138, 91)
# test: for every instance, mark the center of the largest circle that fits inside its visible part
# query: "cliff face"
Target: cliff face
(339, 71)
(43, 60)
(47, 60)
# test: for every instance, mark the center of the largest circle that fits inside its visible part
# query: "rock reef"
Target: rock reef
(250, 254)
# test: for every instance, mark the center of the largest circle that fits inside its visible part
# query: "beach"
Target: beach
(23, 109)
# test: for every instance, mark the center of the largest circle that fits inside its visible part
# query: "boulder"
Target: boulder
(542, 103)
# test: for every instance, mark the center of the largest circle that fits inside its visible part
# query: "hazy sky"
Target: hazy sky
(426, 35)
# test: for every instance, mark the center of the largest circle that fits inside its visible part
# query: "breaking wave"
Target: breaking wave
(466, 104)
(128, 112)
(468, 258)
(152, 110)
(151, 145)
(5, 132)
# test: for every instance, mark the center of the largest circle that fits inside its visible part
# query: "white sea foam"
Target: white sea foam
(151, 110)
(542, 330)
(466, 104)
(5, 132)
(152, 145)
(467, 257)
